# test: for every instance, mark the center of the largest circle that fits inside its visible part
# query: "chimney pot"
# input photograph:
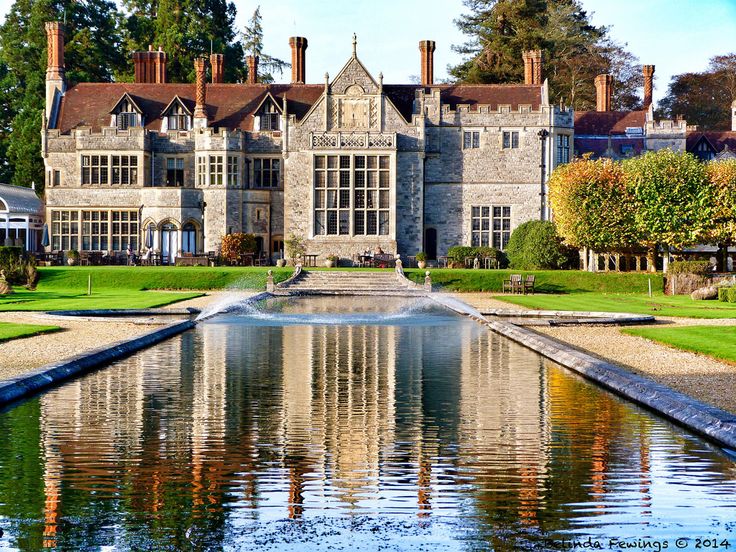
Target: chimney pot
(604, 91)
(427, 47)
(648, 71)
(298, 59)
(252, 62)
(55, 46)
(217, 63)
(532, 67)
(200, 109)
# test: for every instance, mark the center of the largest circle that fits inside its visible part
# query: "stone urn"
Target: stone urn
(281, 263)
(422, 264)
(329, 263)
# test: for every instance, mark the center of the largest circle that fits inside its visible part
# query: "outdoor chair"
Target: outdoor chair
(513, 284)
(357, 261)
(529, 284)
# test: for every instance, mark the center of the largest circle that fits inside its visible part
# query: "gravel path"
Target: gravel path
(706, 379)
(78, 335)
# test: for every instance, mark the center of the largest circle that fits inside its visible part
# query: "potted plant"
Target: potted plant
(72, 257)
(332, 260)
(421, 259)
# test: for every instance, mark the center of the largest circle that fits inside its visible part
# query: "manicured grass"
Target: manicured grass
(658, 305)
(9, 330)
(547, 281)
(715, 341)
(121, 287)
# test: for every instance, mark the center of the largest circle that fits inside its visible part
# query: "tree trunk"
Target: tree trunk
(583, 258)
(722, 258)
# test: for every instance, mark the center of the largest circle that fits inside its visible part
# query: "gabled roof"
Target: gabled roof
(717, 140)
(177, 99)
(603, 123)
(19, 199)
(266, 98)
(228, 105)
(130, 99)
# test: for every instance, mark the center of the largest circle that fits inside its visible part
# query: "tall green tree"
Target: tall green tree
(575, 50)
(703, 99)
(93, 53)
(185, 29)
(253, 46)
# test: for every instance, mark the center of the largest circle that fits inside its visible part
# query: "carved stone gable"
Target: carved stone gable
(353, 74)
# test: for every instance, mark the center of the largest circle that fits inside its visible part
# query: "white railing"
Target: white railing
(352, 140)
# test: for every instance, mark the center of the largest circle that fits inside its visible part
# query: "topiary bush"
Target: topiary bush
(535, 245)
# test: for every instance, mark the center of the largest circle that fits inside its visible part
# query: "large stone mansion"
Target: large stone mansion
(348, 164)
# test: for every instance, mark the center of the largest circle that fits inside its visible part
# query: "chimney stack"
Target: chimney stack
(55, 81)
(298, 59)
(648, 71)
(532, 67)
(252, 62)
(603, 91)
(426, 47)
(217, 64)
(150, 66)
(200, 109)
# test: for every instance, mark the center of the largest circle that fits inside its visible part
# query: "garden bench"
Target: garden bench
(513, 284)
(529, 284)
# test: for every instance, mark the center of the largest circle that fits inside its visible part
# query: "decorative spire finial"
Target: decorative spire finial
(355, 45)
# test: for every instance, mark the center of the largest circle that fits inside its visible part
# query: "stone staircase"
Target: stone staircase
(331, 282)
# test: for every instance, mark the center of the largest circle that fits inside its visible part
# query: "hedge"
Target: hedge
(689, 267)
(727, 294)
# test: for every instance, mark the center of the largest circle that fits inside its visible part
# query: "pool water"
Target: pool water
(360, 424)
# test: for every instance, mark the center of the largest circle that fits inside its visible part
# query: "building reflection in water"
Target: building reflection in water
(241, 421)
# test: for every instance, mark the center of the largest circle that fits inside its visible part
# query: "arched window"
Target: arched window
(189, 238)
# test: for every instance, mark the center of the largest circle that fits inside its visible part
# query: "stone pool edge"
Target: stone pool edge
(47, 376)
(707, 421)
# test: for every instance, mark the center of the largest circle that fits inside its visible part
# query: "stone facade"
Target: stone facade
(409, 159)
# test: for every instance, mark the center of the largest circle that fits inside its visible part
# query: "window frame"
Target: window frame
(510, 139)
(493, 228)
(471, 139)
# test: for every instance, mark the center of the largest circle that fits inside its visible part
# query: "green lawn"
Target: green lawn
(715, 341)
(547, 281)
(10, 331)
(639, 303)
(121, 287)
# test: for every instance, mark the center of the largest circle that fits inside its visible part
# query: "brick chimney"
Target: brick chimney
(55, 81)
(603, 92)
(217, 64)
(648, 71)
(252, 62)
(426, 47)
(298, 59)
(532, 67)
(150, 66)
(200, 108)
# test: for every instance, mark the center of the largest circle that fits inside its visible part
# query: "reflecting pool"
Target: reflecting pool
(356, 424)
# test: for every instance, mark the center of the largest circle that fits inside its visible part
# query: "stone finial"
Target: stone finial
(269, 282)
(327, 82)
(427, 281)
(355, 45)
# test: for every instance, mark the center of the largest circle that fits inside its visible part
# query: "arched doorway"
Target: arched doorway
(169, 242)
(430, 243)
(189, 238)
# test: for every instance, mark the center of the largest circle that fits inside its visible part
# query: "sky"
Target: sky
(675, 36)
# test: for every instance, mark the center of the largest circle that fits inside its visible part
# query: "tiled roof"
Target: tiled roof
(19, 199)
(603, 123)
(718, 139)
(228, 105)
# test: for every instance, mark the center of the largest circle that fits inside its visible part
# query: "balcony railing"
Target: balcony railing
(352, 140)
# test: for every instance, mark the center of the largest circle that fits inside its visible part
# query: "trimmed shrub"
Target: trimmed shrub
(19, 269)
(700, 268)
(535, 245)
(727, 294)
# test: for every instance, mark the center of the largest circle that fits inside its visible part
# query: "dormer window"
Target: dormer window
(268, 115)
(126, 114)
(176, 116)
